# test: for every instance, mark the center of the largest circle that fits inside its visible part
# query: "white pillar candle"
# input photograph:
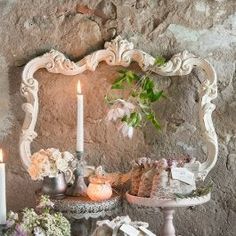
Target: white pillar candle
(2, 191)
(80, 120)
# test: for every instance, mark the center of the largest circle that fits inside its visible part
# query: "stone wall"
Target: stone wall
(205, 27)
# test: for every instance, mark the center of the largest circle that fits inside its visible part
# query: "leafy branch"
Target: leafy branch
(141, 92)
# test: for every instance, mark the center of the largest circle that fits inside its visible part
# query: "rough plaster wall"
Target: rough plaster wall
(206, 28)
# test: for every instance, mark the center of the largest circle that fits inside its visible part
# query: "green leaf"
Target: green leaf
(156, 96)
(151, 117)
(117, 86)
(144, 95)
(160, 61)
(118, 82)
(125, 76)
(144, 107)
(132, 76)
(148, 84)
(122, 71)
(156, 123)
(134, 93)
(124, 119)
(133, 120)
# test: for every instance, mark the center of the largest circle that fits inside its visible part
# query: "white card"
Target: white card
(129, 230)
(193, 167)
(146, 231)
(183, 175)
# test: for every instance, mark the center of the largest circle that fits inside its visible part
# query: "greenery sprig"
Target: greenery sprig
(200, 191)
(141, 91)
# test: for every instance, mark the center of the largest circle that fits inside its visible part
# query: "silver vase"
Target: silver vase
(55, 187)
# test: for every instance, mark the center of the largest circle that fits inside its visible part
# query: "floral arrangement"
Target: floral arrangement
(134, 107)
(40, 223)
(49, 163)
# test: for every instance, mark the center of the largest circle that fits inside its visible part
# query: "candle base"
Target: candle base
(79, 155)
(3, 228)
(79, 188)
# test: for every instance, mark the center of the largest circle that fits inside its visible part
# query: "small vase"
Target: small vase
(55, 187)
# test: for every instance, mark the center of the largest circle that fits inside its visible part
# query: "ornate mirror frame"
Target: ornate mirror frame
(120, 52)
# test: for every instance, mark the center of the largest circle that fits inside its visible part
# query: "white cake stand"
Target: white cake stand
(168, 208)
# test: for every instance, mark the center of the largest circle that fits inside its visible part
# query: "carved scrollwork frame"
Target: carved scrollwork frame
(120, 52)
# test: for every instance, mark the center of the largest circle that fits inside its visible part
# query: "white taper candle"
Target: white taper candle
(80, 120)
(3, 209)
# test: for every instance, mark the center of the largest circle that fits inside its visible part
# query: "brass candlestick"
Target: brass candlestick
(79, 188)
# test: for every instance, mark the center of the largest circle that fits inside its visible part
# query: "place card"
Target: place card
(129, 230)
(193, 167)
(146, 231)
(183, 174)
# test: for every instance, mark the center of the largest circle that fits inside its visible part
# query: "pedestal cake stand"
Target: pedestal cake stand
(78, 209)
(167, 207)
(82, 207)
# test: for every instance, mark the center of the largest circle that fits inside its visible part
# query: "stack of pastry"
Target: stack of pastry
(153, 179)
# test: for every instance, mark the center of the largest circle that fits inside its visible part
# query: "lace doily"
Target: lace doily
(83, 207)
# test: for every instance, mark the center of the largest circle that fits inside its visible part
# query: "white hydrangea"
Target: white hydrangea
(38, 231)
(45, 202)
(68, 156)
(49, 162)
(62, 164)
(55, 153)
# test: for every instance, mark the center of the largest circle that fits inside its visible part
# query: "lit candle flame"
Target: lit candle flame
(1, 156)
(78, 87)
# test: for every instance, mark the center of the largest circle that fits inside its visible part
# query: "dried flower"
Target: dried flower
(33, 223)
(45, 202)
(29, 220)
(19, 231)
(12, 218)
(38, 231)
(49, 163)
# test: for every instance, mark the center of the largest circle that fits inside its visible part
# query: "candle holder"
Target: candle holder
(3, 228)
(79, 188)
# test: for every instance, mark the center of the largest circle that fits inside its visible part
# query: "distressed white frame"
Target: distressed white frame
(120, 52)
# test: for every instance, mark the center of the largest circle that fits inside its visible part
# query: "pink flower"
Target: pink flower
(126, 130)
(120, 109)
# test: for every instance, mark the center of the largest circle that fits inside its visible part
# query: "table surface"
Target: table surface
(83, 207)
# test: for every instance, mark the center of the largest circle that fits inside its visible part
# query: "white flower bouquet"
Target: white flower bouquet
(50, 162)
(44, 222)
